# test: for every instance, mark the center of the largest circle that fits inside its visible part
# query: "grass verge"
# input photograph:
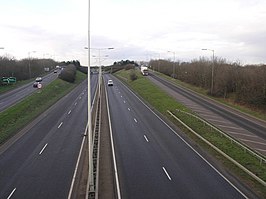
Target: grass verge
(17, 116)
(162, 102)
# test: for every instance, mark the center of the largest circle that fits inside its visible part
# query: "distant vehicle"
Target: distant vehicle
(55, 71)
(38, 79)
(144, 70)
(110, 82)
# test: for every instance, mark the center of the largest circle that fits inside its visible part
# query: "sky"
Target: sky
(138, 30)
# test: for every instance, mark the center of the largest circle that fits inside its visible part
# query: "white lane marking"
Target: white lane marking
(166, 173)
(128, 109)
(75, 104)
(121, 96)
(80, 97)
(43, 148)
(124, 101)
(135, 120)
(10, 195)
(69, 112)
(60, 125)
(146, 138)
(76, 167)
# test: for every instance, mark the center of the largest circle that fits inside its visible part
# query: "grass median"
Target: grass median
(162, 102)
(16, 117)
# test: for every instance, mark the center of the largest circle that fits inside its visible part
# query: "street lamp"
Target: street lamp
(29, 62)
(2, 49)
(173, 62)
(90, 176)
(212, 68)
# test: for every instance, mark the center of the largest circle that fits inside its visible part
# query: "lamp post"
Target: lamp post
(212, 78)
(29, 62)
(1, 48)
(173, 61)
(90, 187)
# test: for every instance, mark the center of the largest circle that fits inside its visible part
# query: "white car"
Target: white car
(110, 82)
(38, 79)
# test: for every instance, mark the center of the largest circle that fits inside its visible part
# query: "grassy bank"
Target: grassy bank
(162, 102)
(16, 117)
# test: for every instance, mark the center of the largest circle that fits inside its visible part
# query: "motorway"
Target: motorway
(14, 96)
(153, 160)
(41, 163)
(246, 129)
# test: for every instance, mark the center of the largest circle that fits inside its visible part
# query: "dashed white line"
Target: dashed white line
(10, 195)
(80, 97)
(69, 112)
(166, 173)
(124, 101)
(146, 138)
(60, 125)
(43, 148)
(135, 120)
(128, 109)
(75, 103)
(121, 96)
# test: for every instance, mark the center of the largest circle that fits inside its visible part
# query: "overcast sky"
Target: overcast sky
(137, 29)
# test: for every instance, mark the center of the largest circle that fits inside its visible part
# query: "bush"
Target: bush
(133, 75)
(69, 73)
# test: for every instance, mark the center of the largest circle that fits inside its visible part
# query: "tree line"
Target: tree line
(244, 84)
(25, 68)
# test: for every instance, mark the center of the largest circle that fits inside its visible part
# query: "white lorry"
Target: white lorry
(144, 70)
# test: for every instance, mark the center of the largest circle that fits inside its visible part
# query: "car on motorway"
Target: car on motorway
(35, 84)
(110, 82)
(38, 79)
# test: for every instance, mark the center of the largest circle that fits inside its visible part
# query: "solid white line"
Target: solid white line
(128, 109)
(60, 125)
(146, 138)
(43, 148)
(10, 195)
(135, 120)
(69, 112)
(113, 150)
(76, 167)
(166, 173)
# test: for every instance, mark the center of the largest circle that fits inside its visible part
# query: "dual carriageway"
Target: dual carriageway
(153, 160)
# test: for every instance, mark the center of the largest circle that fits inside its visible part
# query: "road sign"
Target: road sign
(39, 86)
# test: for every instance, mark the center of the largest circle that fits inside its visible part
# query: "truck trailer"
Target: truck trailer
(144, 70)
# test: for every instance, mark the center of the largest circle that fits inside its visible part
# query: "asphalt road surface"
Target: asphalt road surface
(246, 129)
(153, 161)
(41, 163)
(16, 95)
